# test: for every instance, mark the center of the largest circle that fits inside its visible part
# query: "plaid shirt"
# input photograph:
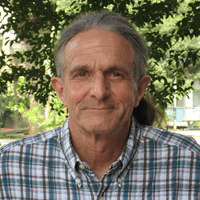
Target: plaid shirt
(155, 164)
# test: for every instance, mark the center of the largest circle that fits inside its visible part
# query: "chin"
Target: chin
(103, 126)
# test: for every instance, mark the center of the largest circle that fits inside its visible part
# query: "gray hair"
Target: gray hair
(109, 21)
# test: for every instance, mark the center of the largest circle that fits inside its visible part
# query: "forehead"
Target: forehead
(99, 43)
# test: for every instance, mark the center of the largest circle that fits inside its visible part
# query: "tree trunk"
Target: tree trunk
(15, 102)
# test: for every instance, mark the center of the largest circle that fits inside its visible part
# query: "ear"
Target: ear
(58, 86)
(141, 88)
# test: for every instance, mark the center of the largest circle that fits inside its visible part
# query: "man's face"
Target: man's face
(99, 86)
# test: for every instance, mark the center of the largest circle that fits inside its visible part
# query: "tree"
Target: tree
(9, 114)
(39, 22)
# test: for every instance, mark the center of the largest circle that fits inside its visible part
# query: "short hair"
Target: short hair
(109, 21)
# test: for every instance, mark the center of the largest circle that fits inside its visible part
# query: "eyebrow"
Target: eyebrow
(79, 68)
(117, 68)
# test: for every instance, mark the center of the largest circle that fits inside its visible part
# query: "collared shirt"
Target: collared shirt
(155, 164)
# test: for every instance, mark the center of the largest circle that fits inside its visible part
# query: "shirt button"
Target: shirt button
(78, 180)
(119, 180)
(81, 167)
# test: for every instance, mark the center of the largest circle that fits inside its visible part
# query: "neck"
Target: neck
(99, 151)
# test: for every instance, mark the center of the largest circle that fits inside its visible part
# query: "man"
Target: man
(101, 152)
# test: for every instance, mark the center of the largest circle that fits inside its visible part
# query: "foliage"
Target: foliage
(5, 112)
(36, 115)
(7, 99)
(38, 23)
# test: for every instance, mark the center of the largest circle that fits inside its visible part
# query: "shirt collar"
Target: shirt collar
(69, 152)
(131, 146)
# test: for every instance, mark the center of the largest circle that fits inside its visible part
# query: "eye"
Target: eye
(82, 74)
(116, 74)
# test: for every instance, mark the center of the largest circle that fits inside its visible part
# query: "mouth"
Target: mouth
(99, 108)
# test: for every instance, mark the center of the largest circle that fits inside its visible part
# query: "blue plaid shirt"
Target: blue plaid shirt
(155, 164)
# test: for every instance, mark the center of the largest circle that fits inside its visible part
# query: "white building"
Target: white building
(187, 110)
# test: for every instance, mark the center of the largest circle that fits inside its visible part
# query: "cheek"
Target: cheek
(126, 94)
(74, 93)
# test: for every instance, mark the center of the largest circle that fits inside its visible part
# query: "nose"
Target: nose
(100, 87)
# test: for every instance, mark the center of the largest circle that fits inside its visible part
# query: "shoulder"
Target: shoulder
(37, 140)
(163, 137)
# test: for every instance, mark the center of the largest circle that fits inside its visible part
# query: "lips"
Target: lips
(98, 108)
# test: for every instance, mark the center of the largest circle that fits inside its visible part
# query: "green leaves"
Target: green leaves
(171, 29)
(189, 25)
